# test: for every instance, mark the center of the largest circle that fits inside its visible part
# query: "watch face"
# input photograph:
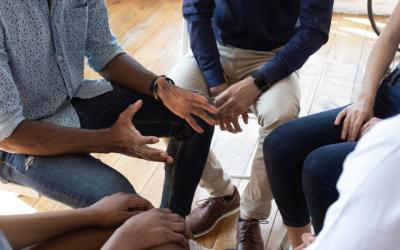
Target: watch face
(260, 82)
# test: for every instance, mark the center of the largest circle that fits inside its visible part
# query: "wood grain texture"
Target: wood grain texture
(151, 31)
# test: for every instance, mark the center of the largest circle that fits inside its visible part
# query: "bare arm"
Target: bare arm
(126, 71)
(381, 56)
(356, 115)
(34, 228)
(39, 227)
(41, 138)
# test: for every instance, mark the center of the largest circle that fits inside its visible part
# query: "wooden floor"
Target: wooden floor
(151, 31)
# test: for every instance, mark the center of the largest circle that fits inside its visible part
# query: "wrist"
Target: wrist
(164, 85)
(104, 141)
(159, 85)
(218, 89)
(252, 87)
(89, 216)
(260, 82)
(366, 100)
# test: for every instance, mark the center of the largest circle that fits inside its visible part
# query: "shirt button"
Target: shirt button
(60, 58)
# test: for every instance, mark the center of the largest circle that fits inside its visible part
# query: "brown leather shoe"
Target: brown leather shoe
(212, 210)
(248, 235)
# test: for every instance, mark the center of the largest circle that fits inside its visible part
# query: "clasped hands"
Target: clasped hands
(229, 104)
(234, 101)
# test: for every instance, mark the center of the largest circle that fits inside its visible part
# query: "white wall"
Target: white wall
(380, 7)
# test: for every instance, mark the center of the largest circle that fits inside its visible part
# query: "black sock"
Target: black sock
(229, 197)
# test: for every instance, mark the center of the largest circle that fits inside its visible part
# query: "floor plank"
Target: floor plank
(151, 30)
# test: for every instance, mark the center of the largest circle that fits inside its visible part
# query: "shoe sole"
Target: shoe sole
(236, 210)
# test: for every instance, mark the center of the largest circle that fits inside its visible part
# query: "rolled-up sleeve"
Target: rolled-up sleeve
(101, 45)
(11, 112)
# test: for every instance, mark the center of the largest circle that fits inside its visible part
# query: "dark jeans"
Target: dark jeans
(304, 159)
(80, 180)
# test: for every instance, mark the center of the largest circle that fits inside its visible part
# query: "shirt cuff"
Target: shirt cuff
(10, 123)
(99, 63)
(273, 71)
(214, 77)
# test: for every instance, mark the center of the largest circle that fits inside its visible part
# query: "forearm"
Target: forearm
(198, 15)
(117, 241)
(126, 71)
(45, 139)
(26, 230)
(381, 57)
(379, 61)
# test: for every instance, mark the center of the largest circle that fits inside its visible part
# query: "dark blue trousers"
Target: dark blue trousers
(304, 159)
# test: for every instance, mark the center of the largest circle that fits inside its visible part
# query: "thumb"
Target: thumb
(220, 99)
(132, 109)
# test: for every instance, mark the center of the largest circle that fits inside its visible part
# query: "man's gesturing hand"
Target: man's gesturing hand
(126, 139)
(186, 103)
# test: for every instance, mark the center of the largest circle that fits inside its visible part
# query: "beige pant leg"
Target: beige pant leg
(187, 75)
(281, 103)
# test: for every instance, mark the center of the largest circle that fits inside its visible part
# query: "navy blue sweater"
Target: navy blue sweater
(301, 26)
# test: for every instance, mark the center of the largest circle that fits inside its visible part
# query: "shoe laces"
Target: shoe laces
(209, 201)
(243, 232)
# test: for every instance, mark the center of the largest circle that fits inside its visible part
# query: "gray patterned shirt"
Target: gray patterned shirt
(42, 53)
(4, 245)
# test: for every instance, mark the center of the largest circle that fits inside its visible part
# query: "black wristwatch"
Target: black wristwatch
(154, 85)
(260, 82)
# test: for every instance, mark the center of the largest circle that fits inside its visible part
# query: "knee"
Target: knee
(115, 183)
(111, 184)
(276, 144)
(207, 128)
(273, 117)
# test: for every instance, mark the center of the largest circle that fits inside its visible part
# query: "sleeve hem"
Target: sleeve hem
(214, 77)
(8, 125)
(273, 71)
(100, 64)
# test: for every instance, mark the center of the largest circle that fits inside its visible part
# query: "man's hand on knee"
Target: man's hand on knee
(185, 103)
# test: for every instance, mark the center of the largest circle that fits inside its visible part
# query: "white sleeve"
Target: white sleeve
(367, 213)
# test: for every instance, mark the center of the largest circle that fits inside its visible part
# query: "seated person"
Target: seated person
(51, 118)
(247, 55)
(367, 214)
(98, 226)
(306, 156)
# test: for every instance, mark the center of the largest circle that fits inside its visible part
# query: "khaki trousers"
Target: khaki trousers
(278, 105)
